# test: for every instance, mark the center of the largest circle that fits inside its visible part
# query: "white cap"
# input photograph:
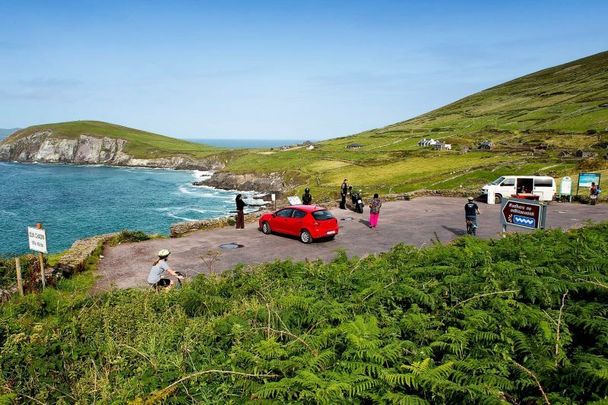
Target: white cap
(164, 253)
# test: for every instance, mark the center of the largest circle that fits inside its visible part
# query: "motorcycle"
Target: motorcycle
(593, 199)
(357, 201)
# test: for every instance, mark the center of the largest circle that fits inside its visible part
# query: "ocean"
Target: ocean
(74, 202)
(247, 143)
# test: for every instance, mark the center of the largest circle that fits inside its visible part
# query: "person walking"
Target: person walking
(374, 211)
(343, 193)
(240, 216)
(471, 210)
(306, 197)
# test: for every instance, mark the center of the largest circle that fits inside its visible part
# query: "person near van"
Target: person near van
(374, 211)
(343, 193)
(306, 197)
(471, 210)
(158, 270)
(240, 215)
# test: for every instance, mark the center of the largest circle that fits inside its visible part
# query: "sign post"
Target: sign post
(37, 241)
(19, 281)
(523, 213)
(273, 197)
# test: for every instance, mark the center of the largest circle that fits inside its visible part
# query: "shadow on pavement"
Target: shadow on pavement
(364, 222)
(455, 231)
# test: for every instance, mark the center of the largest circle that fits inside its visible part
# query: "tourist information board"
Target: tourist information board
(523, 213)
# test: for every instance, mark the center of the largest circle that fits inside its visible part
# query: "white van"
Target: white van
(507, 186)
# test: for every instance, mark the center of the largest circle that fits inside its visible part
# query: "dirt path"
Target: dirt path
(418, 222)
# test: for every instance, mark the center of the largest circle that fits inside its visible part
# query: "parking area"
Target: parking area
(418, 222)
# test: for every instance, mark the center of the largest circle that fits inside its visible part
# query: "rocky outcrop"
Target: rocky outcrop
(271, 183)
(42, 147)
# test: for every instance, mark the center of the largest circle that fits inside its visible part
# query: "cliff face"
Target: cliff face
(41, 147)
(229, 181)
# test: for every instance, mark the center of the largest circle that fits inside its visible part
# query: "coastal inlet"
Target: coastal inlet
(74, 202)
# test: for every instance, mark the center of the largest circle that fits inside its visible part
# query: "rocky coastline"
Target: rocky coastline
(42, 147)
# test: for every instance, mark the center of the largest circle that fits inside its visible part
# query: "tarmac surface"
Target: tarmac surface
(419, 222)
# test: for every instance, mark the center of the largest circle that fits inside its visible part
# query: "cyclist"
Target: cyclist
(159, 268)
(471, 210)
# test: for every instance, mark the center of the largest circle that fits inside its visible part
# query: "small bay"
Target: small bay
(74, 202)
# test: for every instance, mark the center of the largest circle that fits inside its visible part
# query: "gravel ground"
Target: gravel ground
(418, 222)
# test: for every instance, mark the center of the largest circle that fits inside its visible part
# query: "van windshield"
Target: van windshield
(497, 181)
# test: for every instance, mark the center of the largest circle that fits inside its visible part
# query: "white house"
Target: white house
(427, 142)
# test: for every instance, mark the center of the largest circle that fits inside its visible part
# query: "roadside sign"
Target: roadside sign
(525, 214)
(294, 200)
(585, 180)
(37, 239)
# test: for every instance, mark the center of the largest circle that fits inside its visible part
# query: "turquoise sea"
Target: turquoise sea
(73, 202)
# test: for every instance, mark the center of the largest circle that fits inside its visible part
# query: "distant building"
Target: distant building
(442, 146)
(427, 142)
(310, 147)
(352, 146)
(487, 145)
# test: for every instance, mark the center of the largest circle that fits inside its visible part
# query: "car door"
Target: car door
(280, 220)
(297, 222)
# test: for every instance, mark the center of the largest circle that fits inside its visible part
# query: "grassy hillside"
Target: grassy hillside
(531, 121)
(517, 320)
(141, 144)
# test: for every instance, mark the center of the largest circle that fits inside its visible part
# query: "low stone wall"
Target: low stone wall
(74, 259)
(184, 228)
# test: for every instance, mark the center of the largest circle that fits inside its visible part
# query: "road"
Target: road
(418, 222)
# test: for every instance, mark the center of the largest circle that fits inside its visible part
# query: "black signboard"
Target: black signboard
(523, 213)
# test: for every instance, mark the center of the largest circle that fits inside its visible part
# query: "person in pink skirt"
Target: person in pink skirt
(374, 211)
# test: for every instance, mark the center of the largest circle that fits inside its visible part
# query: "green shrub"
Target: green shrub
(475, 321)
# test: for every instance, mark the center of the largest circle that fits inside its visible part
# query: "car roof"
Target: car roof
(307, 208)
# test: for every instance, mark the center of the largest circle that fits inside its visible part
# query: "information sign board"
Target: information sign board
(37, 239)
(525, 214)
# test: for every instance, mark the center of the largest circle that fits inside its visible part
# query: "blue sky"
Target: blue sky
(273, 69)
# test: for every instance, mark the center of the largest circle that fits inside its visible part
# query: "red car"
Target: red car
(306, 221)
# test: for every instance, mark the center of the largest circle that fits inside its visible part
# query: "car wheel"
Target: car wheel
(305, 236)
(497, 199)
(266, 228)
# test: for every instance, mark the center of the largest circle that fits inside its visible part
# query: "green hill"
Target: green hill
(140, 144)
(535, 122)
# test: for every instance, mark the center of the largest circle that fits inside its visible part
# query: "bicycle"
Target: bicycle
(471, 227)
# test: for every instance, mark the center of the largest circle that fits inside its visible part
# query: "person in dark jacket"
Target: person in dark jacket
(306, 197)
(471, 210)
(240, 216)
(343, 193)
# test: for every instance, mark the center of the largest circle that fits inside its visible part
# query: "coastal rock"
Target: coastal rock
(42, 147)
(248, 181)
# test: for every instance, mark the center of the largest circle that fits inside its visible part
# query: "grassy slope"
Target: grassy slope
(141, 144)
(556, 107)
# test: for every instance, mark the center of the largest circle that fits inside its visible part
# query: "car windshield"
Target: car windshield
(497, 181)
(322, 215)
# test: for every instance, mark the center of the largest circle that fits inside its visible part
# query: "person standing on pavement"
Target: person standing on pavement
(471, 210)
(306, 197)
(374, 211)
(240, 216)
(343, 193)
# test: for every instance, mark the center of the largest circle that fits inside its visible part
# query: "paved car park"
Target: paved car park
(420, 222)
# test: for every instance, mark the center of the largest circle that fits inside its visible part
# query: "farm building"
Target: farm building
(352, 146)
(427, 142)
(442, 146)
